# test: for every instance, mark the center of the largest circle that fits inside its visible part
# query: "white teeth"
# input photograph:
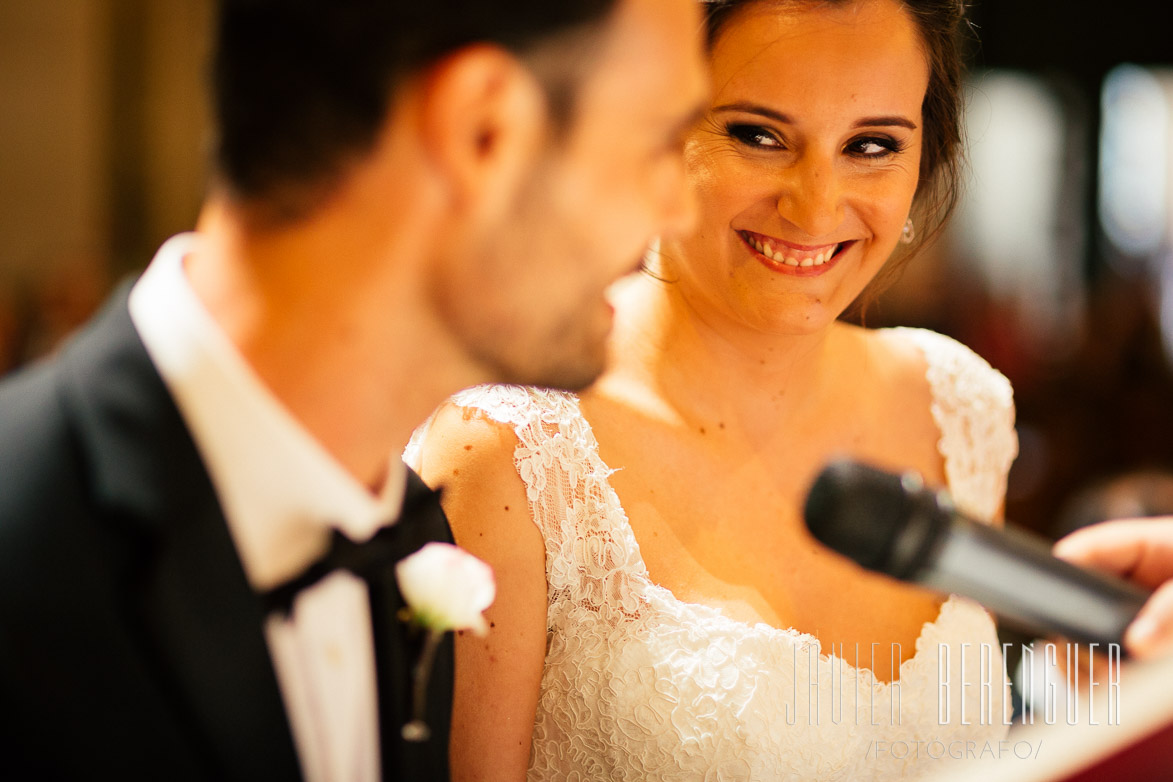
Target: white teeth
(767, 249)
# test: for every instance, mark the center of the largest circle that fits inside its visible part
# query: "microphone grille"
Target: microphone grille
(859, 511)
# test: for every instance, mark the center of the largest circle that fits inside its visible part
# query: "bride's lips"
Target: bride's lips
(790, 258)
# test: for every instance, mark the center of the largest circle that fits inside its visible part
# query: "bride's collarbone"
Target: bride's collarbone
(757, 562)
(718, 523)
(726, 541)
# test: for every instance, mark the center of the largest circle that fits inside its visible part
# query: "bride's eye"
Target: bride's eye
(753, 136)
(875, 147)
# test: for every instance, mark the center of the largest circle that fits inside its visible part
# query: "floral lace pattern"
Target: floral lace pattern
(638, 685)
(974, 408)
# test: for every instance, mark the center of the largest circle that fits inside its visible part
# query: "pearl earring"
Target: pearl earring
(909, 232)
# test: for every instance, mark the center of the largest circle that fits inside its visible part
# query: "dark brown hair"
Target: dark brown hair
(302, 87)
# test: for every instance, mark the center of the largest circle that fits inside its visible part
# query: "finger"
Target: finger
(1138, 549)
(1151, 633)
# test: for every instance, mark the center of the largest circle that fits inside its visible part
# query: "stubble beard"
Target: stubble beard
(567, 359)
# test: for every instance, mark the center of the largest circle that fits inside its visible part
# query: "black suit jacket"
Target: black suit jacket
(131, 644)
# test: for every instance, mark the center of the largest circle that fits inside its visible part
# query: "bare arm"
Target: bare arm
(498, 676)
(1140, 550)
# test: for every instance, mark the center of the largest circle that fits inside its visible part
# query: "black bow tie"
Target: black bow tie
(364, 560)
(368, 560)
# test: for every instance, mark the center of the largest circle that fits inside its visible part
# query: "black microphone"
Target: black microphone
(893, 525)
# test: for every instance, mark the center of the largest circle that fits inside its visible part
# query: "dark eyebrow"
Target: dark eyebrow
(753, 108)
(873, 122)
(866, 122)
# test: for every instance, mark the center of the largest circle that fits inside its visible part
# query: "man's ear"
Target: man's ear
(483, 124)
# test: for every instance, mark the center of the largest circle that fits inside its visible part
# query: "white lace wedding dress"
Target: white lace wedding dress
(641, 686)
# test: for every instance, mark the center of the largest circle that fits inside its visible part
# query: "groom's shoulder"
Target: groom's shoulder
(32, 421)
(37, 451)
(44, 505)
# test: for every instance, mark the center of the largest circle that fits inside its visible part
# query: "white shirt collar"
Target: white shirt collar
(281, 491)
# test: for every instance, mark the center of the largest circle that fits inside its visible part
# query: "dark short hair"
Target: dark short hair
(301, 88)
(939, 23)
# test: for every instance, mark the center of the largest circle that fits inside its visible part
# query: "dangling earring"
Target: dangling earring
(909, 232)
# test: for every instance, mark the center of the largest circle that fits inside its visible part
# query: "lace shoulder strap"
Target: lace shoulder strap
(522, 408)
(535, 414)
(590, 554)
(973, 406)
(554, 443)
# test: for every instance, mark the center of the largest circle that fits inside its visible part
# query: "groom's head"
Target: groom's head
(539, 140)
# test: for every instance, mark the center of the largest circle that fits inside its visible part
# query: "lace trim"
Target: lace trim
(973, 406)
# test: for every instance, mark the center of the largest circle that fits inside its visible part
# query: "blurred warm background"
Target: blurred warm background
(1057, 268)
(102, 132)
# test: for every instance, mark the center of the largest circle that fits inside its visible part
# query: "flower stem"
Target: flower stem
(417, 729)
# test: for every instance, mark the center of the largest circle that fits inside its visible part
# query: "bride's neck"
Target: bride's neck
(703, 368)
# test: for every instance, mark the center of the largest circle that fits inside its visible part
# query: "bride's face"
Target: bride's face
(806, 163)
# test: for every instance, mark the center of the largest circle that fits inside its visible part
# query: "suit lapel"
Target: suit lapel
(398, 648)
(187, 598)
(197, 622)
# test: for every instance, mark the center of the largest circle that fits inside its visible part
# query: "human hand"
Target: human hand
(1141, 551)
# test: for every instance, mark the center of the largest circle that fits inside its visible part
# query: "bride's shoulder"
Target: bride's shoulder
(459, 440)
(890, 357)
(951, 367)
(483, 426)
(514, 405)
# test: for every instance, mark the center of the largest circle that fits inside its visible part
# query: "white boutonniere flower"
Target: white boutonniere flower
(445, 588)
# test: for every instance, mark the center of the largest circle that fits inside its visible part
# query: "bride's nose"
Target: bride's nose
(810, 195)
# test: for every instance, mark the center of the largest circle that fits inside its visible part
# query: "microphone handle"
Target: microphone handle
(1014, 574)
